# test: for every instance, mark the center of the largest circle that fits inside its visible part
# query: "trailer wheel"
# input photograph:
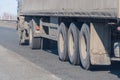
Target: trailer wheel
(35, 43)
(117, 49)
(73, 33)
(22, 37)
(84, 46)
(62, 42)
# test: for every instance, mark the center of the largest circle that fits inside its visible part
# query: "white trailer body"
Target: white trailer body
(84, 29)
(80, 8)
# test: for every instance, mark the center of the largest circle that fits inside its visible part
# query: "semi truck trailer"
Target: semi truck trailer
(87, 31)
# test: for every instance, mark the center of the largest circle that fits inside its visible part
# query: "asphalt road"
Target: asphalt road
(48, 60)
(16, 67)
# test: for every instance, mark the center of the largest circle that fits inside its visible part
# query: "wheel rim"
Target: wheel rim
(61, 43)
(83, 47)
(71, 45)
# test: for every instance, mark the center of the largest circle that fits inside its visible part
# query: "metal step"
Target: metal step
(115, 59)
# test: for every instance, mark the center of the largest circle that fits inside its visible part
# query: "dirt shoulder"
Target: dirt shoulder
(9, 24)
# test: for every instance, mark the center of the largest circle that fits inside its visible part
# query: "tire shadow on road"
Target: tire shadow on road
(100, 68)
(51, 48)
(113, 69)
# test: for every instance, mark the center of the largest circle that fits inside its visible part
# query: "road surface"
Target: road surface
(46, 62)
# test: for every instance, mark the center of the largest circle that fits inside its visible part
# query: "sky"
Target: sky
(9, 6)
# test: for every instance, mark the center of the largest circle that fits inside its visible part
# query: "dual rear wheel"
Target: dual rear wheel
(74, 44)
(63, 42)
(84, 46)
(73, 49)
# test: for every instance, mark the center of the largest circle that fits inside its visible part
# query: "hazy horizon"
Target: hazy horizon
(8, 6)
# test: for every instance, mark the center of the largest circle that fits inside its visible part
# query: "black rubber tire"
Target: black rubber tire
(34, 43)
(85, 33)
(63, 53)
(73, 50)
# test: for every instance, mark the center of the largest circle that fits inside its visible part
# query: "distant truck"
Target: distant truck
(87, 31)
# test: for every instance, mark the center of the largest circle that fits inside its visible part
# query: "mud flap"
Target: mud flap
(100, 44)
